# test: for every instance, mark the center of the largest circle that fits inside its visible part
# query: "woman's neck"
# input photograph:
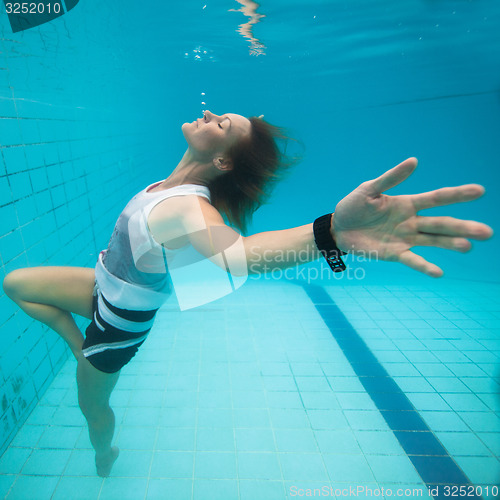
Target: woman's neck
(189, 171)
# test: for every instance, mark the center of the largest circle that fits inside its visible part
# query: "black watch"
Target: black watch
(326, 244)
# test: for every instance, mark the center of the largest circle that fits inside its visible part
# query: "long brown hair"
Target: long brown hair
(258, 164)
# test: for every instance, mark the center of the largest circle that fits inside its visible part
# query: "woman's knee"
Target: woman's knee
(14, 282)
(95, 412)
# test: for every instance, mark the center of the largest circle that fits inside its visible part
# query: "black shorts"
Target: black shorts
(114, 335)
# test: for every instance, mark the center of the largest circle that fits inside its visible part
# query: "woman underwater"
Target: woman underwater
(229, 163)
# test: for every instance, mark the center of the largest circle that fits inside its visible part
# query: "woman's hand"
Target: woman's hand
(369, 222)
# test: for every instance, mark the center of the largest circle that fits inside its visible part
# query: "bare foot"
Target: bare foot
(105, 462)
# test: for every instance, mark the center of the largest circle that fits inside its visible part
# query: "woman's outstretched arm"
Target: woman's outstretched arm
(365, 222)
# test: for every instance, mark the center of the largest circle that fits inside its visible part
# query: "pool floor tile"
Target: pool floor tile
(180, 489)
(303, 466)
(259, 466)
(207, 489)
(348, 468)
(261, 490)
(284, 398)
(30, 487)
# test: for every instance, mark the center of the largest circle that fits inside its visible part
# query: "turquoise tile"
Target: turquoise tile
(435, 369)
(428, 401)
(6, 481)
(123, 488)
(132, 463)
(250, 369)
(215, 465)
(215, 399)
(461, 443)
(269, 368)
(145, 397)
(249, 399)
(172, 464)
(65, 415)
(259, 466)
(13, 460)
(246, 382)
(28, 436)
(255, 440)
(177, 417)
(312, 383)
(346, 384)
(178, 489)
(465, 402)
(480, 421)
(41, 415)
(414, 384)
(444, 421)
(180, 399)
(366, 420)
(378, 443)
(481, 385)
(53, 397)
(283, 399)
(388, 468)
(175, 439)
(401, 370)
(348, 468)
(215, 417)
(280, 383)
(215, 383)
(448, 384)
(147, 417)
(306, 369)
(303, 466)
(319, 400)
(480, 470)
(78, 488)
(183, 383)
(261, 490)
(206, 489)
(215, 439)
(251, 417)
(491, 440)
(289, 418)
(355, 401)
(82, 463)
(136, 438)
(30, 487)
(295, 440)
(59, 437)
(327, 419)
(337, 441)
(47, 462)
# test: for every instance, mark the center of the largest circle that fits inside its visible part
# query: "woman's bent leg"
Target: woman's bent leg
(94, 390)
(50, 294)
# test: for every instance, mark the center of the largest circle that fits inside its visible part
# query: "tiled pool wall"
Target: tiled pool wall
(66, 172)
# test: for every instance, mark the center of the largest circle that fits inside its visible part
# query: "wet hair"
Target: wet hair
(258, 164)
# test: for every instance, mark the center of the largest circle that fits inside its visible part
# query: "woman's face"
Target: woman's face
(213, 134)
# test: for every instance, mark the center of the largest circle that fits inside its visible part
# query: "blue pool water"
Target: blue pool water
(381, 381)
